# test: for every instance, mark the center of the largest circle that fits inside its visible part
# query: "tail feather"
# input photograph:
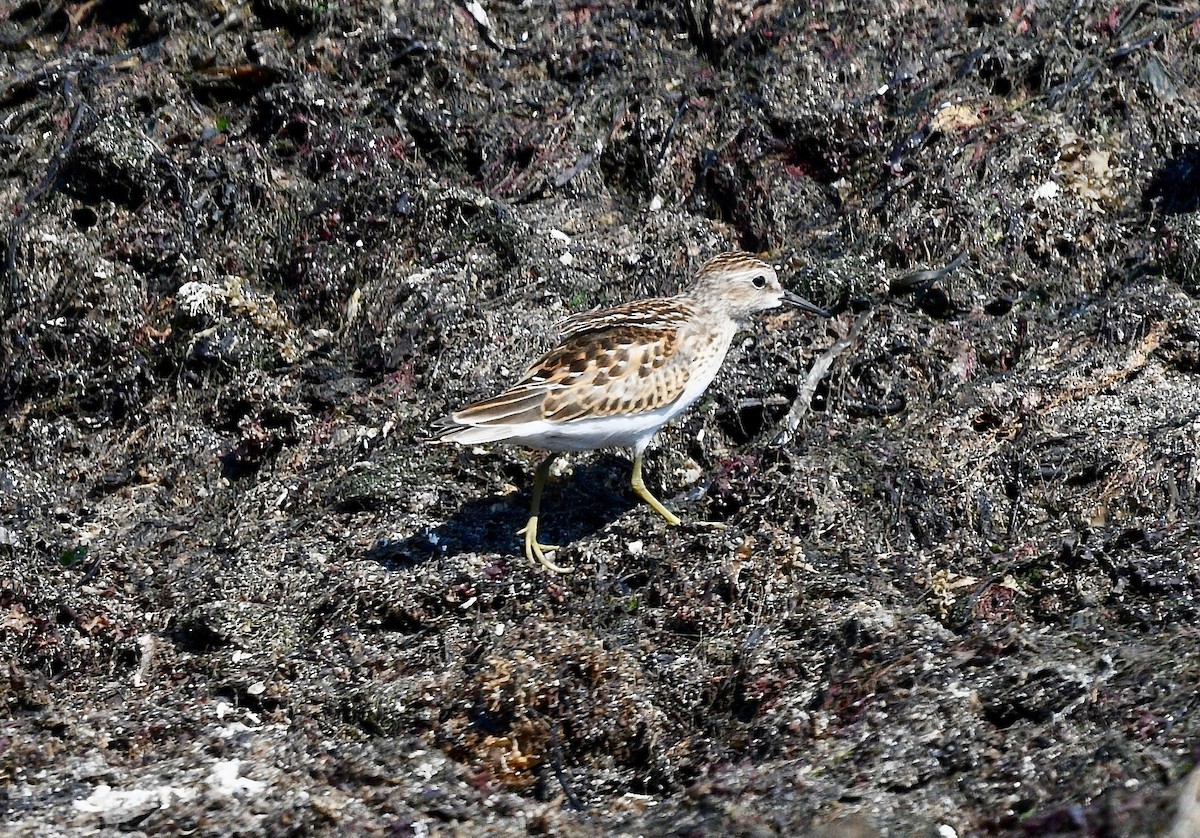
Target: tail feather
(507, 408)
(447, 430)
(492, 420)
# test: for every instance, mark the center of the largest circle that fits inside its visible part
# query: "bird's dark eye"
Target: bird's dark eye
(760, 281)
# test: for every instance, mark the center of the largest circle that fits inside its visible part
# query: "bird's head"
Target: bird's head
(743, 284)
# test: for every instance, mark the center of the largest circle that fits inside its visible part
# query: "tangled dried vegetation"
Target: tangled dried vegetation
(253, 249)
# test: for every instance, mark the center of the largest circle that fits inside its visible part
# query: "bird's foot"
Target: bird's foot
(535, 550)
(708, 525)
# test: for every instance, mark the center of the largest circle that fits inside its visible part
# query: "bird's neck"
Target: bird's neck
(706, 307)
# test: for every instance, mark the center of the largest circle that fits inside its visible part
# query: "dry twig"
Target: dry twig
(819, 369)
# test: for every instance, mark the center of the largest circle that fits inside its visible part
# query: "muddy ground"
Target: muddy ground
(253, 249)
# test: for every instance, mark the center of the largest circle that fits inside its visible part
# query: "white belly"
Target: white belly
(586, 434)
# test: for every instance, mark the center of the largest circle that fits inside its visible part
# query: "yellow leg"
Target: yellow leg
(534, 550)
(644, 493)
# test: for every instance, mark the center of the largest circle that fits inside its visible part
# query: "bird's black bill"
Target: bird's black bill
(799, 302)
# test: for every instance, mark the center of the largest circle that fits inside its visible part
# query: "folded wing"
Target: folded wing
(611, 362)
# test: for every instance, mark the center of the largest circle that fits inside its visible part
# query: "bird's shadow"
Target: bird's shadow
(573, 507)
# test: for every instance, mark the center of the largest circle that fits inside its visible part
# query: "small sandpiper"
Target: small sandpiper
(619, 374)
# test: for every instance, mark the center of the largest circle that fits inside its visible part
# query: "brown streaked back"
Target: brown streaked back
(656, 313)
(604, 372)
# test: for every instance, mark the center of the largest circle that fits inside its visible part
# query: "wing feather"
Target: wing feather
(608, 362)
(633, 372)
(520, 404)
